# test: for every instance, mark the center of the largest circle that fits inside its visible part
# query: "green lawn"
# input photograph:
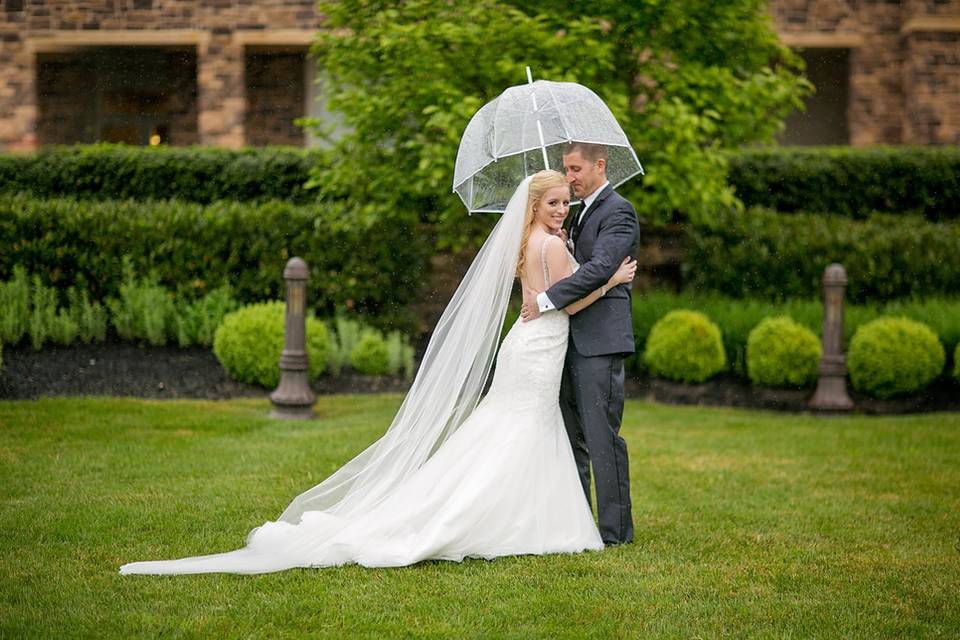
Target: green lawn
(749, 524)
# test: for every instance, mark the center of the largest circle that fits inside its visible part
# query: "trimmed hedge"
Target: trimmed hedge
(894, 356)
(849, 181)
(193, 249)
(686, 346)
(762, 254)
(843, 180)
(782, 353)
(194, 174)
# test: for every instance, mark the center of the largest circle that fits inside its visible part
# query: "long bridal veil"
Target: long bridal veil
(444, 392)
(448, 383)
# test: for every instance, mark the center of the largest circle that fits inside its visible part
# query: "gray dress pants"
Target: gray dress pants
(591, 399)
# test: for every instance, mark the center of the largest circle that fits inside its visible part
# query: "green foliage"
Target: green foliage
(685, 345)
(14, 306)
(145, 309)
(195, 322)
(894, 356)
(90, 317)
(347, 332)
(399, 355)
(956, 363)
(194, 249)
(43, 314)
(736, 318)
(195, 174)
(370, 356)
(685, 79)
(782, 353)
(764, 254)
(249, 341)
(850, 181)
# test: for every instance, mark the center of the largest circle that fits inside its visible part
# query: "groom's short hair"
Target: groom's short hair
(588, 150)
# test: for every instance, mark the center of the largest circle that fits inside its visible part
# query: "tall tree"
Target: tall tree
(686, 78)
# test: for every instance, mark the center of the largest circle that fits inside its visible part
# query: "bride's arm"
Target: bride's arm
(559, 265)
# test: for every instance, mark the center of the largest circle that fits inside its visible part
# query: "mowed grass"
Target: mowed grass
(748, 524)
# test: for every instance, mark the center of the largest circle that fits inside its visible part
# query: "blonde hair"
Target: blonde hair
(540, 183)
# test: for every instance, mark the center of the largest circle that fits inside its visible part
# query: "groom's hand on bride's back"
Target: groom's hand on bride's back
(530, 309)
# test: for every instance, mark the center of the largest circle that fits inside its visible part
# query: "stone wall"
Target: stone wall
(903, 82)
(219, 31)
(904, 66)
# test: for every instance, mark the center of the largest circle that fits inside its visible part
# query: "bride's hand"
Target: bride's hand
(625, 273)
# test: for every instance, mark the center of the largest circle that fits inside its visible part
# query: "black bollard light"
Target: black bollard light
(831, 393)
(293, 397)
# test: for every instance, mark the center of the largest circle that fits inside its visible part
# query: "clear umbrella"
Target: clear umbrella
(524, 130)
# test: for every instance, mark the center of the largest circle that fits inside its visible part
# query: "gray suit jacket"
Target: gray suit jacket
(608, 234)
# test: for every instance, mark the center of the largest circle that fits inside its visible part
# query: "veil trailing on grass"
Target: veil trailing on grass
(447, 386)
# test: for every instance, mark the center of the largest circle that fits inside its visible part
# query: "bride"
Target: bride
(453, 477)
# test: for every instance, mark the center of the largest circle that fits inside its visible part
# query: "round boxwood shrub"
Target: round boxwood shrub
(956, 362)
(892, 356)
(249, 341)
(782, 353)
(685, 345)
(370, 356)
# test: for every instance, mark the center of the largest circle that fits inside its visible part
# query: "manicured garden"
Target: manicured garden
(749, 524)
(175, 247)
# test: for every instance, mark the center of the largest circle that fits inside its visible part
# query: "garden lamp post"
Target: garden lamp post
(293, 397)
(831, 393)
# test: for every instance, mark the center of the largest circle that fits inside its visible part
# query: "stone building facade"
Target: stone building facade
(236, 72)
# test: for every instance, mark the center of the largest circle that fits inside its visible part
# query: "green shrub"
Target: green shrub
(893, 356)
(375, 268)
(685, 345)
(850, 181)
(43, 313)
(144, 310)
(399, 355)
(90, 318)
(782, 353)
(195, 174)
(735, 318)
(768, 255)
(14, 306)
(956, 362)
(195, 322)
(249, 341)
(347, 333)
(370, 356)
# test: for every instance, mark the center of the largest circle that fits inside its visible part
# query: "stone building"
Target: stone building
(236, 72)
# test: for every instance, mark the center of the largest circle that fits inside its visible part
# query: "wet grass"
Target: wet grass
(749, 524)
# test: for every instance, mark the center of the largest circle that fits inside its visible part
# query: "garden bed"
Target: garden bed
(118, 369)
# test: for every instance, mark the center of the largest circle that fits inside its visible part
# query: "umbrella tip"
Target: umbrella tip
(529, 75)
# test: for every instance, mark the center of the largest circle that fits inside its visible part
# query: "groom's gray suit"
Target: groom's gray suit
(601, 336)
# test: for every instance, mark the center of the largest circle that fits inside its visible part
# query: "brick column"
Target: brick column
(876, 77)
(932, 74)
(18, 95)
(221, 99)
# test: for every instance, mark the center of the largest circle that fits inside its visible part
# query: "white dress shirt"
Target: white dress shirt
(542, 300)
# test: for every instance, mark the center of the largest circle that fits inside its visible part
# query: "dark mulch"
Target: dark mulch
(111, 369)
(166, 372)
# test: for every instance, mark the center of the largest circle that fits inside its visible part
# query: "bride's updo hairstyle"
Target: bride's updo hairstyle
(540, 183)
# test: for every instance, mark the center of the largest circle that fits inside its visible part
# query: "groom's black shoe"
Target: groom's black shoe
(616, 543)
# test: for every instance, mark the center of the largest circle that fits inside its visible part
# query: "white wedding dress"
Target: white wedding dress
(503, 483)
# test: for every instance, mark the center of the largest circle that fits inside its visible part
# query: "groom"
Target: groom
(603, 232)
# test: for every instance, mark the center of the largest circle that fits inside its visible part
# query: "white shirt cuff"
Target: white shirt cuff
(544, 302)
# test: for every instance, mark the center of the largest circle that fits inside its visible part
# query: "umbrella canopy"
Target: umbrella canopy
(524, 130)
